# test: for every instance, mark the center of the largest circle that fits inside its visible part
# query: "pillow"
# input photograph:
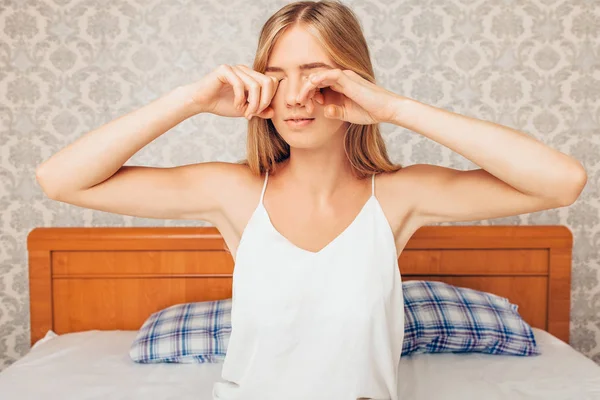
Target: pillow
(438, 318)
(49, 336)
(185, 333)
(441, 318)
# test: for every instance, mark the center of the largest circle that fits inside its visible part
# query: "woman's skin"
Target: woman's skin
(314, 196)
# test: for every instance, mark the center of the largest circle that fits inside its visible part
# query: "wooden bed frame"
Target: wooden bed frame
(114, 278)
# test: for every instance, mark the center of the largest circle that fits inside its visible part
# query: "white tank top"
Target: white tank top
(325, 325)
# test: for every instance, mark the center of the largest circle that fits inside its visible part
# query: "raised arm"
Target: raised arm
(90, 172)
(518, 174)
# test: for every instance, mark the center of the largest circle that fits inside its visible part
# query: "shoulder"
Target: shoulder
(404, 183)
(400, 193)
(417, 178)
(225, 179)
(419, 171)
(423, 185)
(233, 186)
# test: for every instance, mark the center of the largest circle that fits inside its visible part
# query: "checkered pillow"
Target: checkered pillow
(438, 318)
(441, 318)
(185, 333)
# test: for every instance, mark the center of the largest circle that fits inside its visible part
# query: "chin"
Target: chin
(301, 140)
(312, 136)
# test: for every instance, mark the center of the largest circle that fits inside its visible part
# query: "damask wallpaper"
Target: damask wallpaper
(69, 66)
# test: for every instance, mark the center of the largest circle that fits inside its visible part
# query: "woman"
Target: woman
(318, 308)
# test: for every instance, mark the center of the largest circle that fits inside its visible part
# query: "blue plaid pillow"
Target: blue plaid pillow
(441, 318)
(438, 318)
(185, 333)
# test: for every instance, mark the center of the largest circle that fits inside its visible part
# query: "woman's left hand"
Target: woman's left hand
(359, 101)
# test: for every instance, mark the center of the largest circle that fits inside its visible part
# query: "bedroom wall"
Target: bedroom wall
(67, 67)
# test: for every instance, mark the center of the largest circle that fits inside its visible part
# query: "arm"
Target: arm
(90, 172)
(518, 173)
(99, 154)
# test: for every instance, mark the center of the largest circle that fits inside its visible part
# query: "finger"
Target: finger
(267, 113)
(319, 97)
(335, 79)
(353, 75)
(227, 75)
(333, 111)
(310, 106)
(253, 88)
(306, 90)
(269, 86)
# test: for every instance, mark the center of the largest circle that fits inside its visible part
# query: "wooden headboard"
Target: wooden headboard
(114, 278)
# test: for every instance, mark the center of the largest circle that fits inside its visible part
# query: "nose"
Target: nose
(292, 89)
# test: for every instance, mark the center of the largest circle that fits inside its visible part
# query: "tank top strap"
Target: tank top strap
(373, 185)
(262, 194)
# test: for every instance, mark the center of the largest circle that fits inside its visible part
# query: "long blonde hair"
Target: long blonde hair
(337, 29)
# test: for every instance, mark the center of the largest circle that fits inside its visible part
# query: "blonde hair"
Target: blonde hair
(337, 29)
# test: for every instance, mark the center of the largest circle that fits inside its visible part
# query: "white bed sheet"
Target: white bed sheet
(96, 365)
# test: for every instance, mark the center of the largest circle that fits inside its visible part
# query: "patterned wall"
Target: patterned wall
(69, 66)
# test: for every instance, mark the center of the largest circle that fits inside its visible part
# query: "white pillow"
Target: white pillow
(49, 336)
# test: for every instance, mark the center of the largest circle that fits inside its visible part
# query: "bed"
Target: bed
(92, 288)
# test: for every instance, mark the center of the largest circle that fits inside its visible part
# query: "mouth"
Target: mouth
(299, 122)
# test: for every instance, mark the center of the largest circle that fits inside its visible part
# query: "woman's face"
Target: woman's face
(296, 55)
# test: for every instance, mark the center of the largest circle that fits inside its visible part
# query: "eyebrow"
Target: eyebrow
(302, 67)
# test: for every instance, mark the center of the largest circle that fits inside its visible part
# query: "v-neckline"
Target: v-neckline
(328, 245)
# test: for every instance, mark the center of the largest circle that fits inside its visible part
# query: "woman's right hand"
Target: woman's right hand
(235, 91)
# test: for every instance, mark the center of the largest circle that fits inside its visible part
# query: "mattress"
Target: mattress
(96, 365)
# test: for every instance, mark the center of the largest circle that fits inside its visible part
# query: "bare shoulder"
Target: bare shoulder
(399, 193)
(417, 172)
(225, 177)
(442, 194)
(237, 191)
(232, 185)
(414, 180)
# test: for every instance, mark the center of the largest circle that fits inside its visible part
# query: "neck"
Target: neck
(319, 172)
